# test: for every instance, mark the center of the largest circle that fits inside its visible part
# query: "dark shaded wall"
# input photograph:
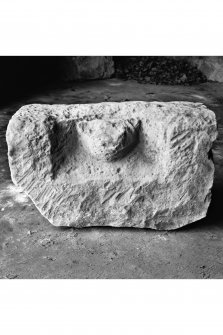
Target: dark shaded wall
(20, 75)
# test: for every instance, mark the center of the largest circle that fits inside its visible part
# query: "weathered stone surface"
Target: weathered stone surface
(87, 67)
(130, 164)
(109, 139)
(210, 66)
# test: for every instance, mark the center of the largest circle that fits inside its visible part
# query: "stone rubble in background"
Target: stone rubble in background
(129, 164)
(158, 70)
(171, 70)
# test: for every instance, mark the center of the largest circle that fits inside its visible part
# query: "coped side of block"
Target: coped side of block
(130, 164)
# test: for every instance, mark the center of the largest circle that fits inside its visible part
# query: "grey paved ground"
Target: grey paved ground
(32, 248)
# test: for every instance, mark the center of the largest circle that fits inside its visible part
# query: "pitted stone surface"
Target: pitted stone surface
(130, 164)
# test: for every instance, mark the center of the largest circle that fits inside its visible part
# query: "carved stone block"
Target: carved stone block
(129, 164)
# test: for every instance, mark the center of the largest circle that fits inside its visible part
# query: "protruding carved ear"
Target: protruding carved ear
(109, 140)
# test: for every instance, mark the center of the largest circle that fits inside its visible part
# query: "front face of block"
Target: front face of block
(131, 164)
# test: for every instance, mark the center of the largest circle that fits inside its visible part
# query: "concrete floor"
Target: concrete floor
(30, 247)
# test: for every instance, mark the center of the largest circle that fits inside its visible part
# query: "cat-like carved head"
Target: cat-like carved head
(109, 140)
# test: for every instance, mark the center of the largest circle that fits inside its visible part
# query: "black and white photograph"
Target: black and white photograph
(111, 167)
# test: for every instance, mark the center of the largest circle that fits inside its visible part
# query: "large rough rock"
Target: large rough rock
(130, 164)
(210, 66)
(86, 67)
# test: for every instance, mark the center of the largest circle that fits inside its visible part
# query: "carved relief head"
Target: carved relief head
(109, 140)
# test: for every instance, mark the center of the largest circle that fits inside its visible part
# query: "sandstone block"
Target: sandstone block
(130, 164)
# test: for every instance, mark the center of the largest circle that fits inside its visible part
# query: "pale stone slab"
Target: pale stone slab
(129, 164)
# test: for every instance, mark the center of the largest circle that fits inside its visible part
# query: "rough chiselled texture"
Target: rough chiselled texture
(130, 164)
